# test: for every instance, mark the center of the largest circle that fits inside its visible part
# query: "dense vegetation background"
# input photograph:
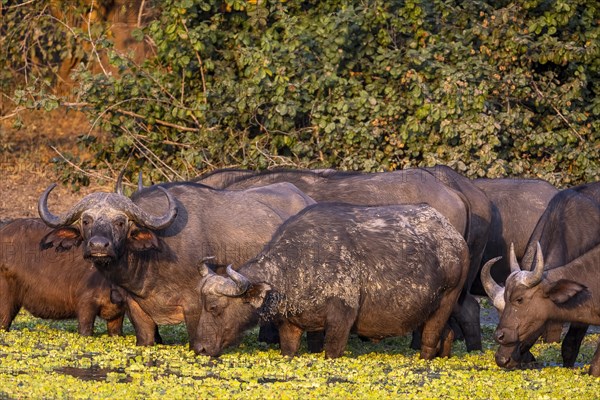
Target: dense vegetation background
(491, 88)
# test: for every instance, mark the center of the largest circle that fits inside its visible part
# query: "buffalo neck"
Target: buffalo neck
(129, 272)
(582, 270)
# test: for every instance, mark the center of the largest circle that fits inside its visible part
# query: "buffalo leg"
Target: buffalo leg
(192, 320)
(434, 327)
(338, 323)
(595, 365)
(467, 316)
(114, 327)
(145, 328)
(415, 342)
(571, 344)
(446, 342)
(289, 338)
(86, 315)
(315, 341)
(8, 305)
(268, 333)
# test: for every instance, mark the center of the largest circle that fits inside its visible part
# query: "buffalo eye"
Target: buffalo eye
(86, 221)
(519, 300)
(119, 223)
(213, 308)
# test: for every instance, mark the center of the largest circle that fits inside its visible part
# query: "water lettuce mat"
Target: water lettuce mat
(48, 359)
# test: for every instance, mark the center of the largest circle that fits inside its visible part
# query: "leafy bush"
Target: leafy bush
(491, 88)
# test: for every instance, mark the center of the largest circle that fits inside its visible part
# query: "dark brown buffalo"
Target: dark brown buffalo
(377, 271)
(568, 229)
(150, 245)
(453, 195)
(567, 293)
(52, 283)
(517, 205)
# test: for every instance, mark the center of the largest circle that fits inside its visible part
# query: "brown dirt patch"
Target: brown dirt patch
(26, 161)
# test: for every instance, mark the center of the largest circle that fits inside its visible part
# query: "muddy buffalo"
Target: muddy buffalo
(52, 283)
(377, 271)
(453, 195)
(150, 245)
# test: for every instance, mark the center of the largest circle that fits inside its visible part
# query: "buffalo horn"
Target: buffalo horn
(121, 202)
(140, 181)
(534, 277)
(514, 264)
(493, 290)
(119, 184)
(204, 269)
(150, 221)
(237, 286)
(64, 219)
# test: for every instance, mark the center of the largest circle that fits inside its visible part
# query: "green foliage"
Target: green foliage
(490, 88)
(48, 359)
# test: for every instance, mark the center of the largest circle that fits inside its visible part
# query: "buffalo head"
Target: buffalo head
(526, 303)
(229, 308)
(106, 223)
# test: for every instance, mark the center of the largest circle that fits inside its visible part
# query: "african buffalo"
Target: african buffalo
(377, 271)
(568, 229)
(453, 195)
(568, 293)
(153, 255)
(52, 284)
(517, 205)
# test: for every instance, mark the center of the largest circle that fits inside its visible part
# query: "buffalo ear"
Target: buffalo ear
(62, 239)
(256, 294)
(563, 290)
(142, 239)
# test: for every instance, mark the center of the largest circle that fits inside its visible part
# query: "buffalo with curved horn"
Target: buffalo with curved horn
(377, 271)
(568, 229)
(567, 293)
(105, 202)
(148, 245)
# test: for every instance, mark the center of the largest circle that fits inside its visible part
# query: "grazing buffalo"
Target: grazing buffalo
(517, 205)
(150, 245)
(377, 271)
(52, 283)
(568, 229)
(453, 195)
(568, 293)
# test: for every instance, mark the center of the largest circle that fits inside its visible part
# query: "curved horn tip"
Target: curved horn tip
(204, 270)
(119, 182)
(486, 270)
(533, 278)
(493, 290)
(240, 280)
(155, 222)
(514, 264)
(45, 214)
(140, 181)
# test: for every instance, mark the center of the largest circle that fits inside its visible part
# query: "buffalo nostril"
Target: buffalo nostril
(499, 336)
(99, 243)
(199, 349)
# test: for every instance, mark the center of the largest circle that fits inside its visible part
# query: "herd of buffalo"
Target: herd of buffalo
(325, 252)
